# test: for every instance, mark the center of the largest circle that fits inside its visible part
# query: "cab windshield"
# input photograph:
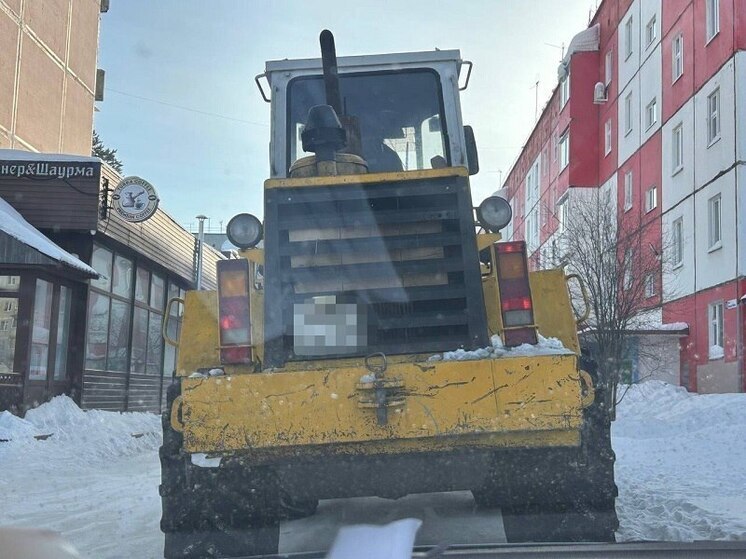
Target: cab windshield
(400, 114)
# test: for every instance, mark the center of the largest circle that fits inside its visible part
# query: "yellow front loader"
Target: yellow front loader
(375, 337)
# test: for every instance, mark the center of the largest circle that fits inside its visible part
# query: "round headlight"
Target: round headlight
(494, 213)
(244, 230)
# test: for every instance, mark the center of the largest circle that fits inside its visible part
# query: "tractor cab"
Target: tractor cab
(405, 107)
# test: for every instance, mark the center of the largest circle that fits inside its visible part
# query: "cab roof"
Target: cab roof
(348, 62)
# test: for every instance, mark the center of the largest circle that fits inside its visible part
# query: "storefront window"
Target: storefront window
(141, 286)
(40, 330)
(8, 321)
(63, 333)
(119, 329)
(10, 283)
(101, 262)
(155, 344)
(122, 277)
(139, 340)
(157, 291)
(98, 329)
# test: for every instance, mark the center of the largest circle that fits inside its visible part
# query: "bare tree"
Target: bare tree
(621, 263)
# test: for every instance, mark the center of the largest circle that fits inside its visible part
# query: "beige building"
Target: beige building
(48, 52)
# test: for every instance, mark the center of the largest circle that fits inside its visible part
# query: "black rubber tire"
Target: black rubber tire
(566, 523)
(227, 511)
(559, 495)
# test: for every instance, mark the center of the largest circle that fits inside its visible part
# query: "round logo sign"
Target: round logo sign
(134, 199)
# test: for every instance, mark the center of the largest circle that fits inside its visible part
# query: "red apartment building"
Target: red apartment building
(665, 135)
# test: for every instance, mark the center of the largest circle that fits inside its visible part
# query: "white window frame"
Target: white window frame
(714, 223)
(562, 209)
(628, 186)
(712, 19)
(678, 241)
(607, 138)
(564, 91)
(627, 278)
(649, 286)
(716, 326)
(651, 113)
(532, 229)
(678, 148)
(651, 199)
(628, 113)
(651, 33)
(609, 67)
(532, 184)
(564, 149)
(628, 50)
(677, 57)
(713, 117)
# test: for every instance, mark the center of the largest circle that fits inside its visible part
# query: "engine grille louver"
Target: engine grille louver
(405, 252)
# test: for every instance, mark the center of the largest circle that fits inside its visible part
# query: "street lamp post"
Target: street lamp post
(200, 244)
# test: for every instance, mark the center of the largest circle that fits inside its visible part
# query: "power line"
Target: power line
(184, 108)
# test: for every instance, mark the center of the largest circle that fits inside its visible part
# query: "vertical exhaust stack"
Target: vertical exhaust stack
(333, 95)
(332, 135)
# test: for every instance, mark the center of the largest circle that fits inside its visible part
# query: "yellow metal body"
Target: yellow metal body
(323, 406)
(522, 402)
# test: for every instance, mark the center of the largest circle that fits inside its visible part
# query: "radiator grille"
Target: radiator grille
(404, 252)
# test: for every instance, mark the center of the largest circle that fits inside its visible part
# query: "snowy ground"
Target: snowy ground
(681, 470)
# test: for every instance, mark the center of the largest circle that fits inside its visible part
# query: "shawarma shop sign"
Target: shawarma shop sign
(134, 199)
(47, 170)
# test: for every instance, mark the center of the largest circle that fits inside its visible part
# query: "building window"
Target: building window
(651, 113)
(532, 184)
(564, 149)
(715, 312)
(628, 113)
(713, 116)
(650, 32)
(627, 266)
(715, 236)
(63, 333)
(678, 148)
(42, 324)
(677, 50)
(651, 199)
(678, 241)
(628, 38)
(607, 137)
(532, 230)
(562, 208)
(564, 90)
(627, 191)
(609, 67)
(713, 18)
(649, 286)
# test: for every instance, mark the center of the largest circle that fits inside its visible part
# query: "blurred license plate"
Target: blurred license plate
(321, 326)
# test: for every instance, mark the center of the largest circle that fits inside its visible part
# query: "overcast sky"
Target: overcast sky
(183, 111)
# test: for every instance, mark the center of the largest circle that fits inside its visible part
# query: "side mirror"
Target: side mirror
(472, 158)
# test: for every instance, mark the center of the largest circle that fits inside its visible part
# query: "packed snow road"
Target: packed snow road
(681, 471)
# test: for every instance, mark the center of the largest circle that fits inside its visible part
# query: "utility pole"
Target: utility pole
(200, 243)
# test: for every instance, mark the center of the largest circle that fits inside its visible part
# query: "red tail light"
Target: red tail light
(234, 311)
(516, 306)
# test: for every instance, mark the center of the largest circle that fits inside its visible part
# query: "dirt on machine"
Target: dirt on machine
(376, 336)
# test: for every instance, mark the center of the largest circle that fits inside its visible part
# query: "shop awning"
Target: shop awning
(14, 227)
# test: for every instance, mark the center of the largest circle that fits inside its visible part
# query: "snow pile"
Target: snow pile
(681, 464)
(94, 480)
(545, 346)
(61, 427)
